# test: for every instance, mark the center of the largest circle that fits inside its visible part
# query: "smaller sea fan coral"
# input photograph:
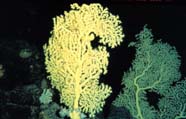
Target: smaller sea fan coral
(155, 68)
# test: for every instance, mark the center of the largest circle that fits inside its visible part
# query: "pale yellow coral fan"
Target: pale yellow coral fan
(74, 66)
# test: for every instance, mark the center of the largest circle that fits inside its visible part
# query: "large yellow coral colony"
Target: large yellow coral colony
(73, 64)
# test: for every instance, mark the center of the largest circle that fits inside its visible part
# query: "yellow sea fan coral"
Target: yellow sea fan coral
(74, 66)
